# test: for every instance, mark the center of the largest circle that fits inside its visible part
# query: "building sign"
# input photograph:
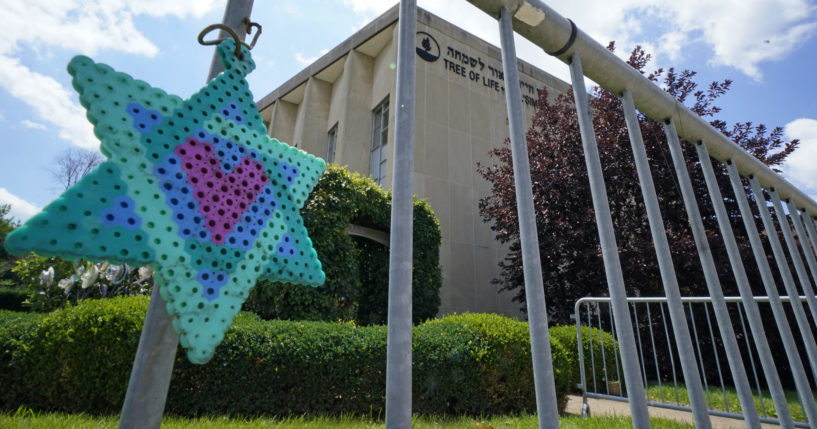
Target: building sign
(472, 68)
(427, 47)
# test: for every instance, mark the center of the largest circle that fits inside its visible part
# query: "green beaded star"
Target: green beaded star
(193, 188)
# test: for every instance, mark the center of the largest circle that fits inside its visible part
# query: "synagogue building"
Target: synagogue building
(341, 108)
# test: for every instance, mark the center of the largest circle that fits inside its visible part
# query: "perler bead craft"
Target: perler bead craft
(193, 188)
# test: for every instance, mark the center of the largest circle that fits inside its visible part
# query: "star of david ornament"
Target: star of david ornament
(194, 188)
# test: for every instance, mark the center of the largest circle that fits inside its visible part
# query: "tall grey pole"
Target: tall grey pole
(713, 283)
(543, 379)
(236, 15)
(804, 244)
(683, 341)
(609, 249)
(798, 372)
(812, 235)
(805, 283)
(398, 348)
(783, 267)
(742, 280)
(153, 365)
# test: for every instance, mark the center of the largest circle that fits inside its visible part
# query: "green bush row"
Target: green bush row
(78, 360)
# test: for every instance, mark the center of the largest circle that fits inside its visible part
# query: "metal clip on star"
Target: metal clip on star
(195, 188)
(232, 33)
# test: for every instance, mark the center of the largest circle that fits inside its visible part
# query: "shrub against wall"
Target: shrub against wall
(594, 342)
(356, 269)
(78, 360)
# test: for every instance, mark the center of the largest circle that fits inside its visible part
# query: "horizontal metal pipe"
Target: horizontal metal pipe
(670, 406)
(552, 32)
(684, 299)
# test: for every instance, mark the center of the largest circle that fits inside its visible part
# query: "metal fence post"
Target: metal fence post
(783, 267)
(607, 238)
(149, 381)
(799, 227)
(546, 403)
(805, 283)
(398, 347)
(771, 289)
(713, 283)
(742, 280)
(668, 277)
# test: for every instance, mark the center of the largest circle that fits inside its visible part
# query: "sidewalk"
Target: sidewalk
(604, 407)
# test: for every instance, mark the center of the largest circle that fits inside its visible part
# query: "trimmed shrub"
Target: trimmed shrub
(567, 336)
(480, 364)
(78, 360)
(356, 288)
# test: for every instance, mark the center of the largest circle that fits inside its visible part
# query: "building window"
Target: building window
(380, 134)
(332, 144)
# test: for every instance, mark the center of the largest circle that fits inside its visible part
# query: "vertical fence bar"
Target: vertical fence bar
(812, 233)
(607, 238)
(603, 358)
(590, 337)
(580, 342)
(671, 354)
(783, 267)
(771, 291)
(655, 354)
(700, 357)
(544, 383)
(640, 348)
(615, 350)
(665, 265)
(751, 360)
(398, 346)
(805, 283)
(149, 380)
(749, 304)
(713, 283)
(717, 358)
(799, 226)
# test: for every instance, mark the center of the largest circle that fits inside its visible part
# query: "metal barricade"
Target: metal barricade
(661, 380)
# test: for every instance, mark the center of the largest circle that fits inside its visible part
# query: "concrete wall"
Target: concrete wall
(460, 116)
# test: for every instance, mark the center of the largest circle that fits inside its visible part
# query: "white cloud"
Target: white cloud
(20, 208)
(800, 169)
(304, 60)
(49, 99)
(33, 125)
(80, 26)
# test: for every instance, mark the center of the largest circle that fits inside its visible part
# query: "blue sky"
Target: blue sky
(767, 47)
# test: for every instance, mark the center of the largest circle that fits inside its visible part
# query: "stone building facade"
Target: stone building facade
(341, 108)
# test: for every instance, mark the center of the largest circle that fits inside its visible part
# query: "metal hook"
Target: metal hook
(233, 34)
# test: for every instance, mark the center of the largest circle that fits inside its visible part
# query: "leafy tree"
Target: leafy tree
(568, 237)
(7, 224)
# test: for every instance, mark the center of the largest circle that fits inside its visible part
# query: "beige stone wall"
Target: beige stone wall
(460, 116)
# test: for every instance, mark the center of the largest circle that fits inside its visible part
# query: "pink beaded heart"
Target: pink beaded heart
(223, 197)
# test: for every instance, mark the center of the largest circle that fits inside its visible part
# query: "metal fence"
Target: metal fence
(560, 37)
(600, 372)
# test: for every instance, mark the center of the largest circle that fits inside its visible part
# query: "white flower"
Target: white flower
(89, 277)
(47, 277)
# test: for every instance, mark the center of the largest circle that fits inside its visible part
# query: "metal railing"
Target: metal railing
(560, 37)
(657, 355)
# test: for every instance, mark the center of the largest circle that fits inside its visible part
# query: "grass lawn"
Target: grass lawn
(716, 397)
(26, 420)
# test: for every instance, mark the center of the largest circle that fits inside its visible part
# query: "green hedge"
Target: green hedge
(11, 298)
(566, 335)
(356, 285)
(78, 360)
